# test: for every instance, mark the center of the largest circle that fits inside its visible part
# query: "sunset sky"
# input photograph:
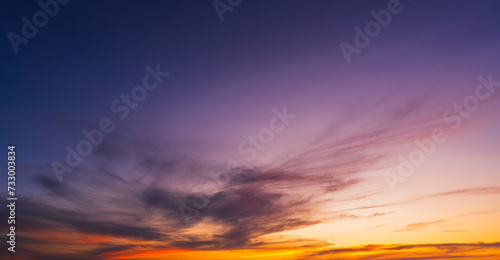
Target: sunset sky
(245, 129)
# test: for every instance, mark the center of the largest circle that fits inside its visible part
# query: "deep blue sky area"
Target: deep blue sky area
(91, 52)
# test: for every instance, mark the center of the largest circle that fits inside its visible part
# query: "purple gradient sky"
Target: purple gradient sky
(353, 119)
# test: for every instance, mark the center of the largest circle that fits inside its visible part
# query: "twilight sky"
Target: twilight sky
(158, 130)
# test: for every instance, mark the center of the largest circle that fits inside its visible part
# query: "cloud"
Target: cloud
(412, 251)
(469, 191)
(420, 225)
(129, 190)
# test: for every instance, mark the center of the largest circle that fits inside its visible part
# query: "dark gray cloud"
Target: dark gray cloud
(386, 252)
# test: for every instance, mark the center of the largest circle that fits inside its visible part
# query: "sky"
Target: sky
(238, 129)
